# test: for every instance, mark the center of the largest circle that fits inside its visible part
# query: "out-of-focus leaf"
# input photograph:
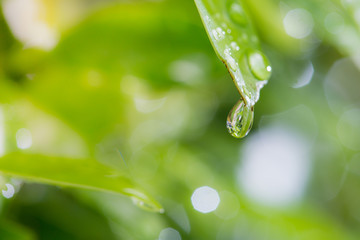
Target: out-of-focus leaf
(267, 19)
(332, 24)
(12, 231)
(81, 173)
(64, 218)
(86, 91)
(6, 40)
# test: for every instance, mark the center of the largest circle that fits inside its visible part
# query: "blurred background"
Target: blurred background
(122, 96)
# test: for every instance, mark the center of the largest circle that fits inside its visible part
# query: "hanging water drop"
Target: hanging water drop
(240, 50)
(240, 119)
(259, 65)
(236, 12)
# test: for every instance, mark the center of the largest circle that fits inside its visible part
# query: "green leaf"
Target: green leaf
(13, 231)
(234, 40)
(82, 79)
(268, 21)
(79, 173)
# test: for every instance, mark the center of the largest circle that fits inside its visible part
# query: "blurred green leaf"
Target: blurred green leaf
(13, 231)
(142, 79)
(80, 173)
(268, 21)
(87, 91)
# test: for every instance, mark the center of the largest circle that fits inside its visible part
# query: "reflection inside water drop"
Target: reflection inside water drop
(240, 119)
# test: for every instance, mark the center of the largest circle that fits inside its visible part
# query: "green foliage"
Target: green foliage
(131, 104)
(80, 173)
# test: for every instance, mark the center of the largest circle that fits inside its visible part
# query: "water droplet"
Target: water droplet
(9, 192)
(148, 206)
(240, 119)
(259, 65)
(218, 33)
(230, 61)
(143, 201)
(236, 13)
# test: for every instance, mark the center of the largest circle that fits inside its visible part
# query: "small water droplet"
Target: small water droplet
(146, 205)
(218, 33)
(143, 201)
(230, 60)
(240, 119)
(259, 65)
(236, 12)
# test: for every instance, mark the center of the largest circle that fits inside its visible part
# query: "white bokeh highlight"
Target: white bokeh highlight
(23, 138)
(306, 76)
(205, 199)
(148, 106)
(298, 23)
(23, 17)
(275, 167)
(189, 72)
(9, 192)
(169, 234)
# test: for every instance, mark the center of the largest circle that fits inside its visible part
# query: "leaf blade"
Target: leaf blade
(80, 173)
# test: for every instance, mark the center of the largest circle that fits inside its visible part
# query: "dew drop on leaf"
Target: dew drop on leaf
(259, 65)
(143, 201)
(240, 119)
(146, 205)
(230, 60)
